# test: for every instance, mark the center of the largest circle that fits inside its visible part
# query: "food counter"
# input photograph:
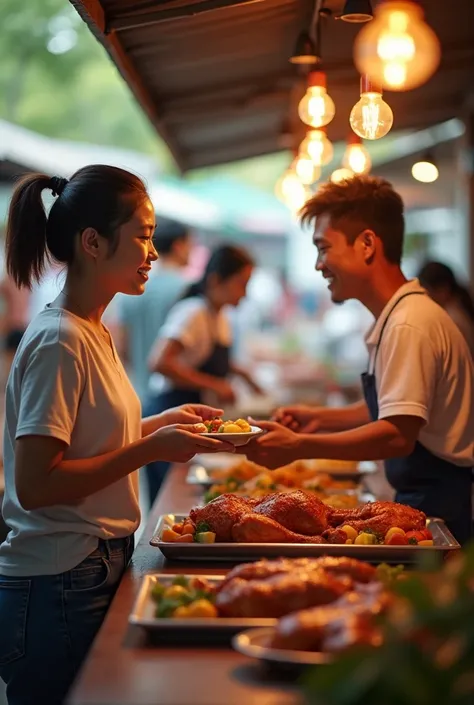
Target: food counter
(124, 669)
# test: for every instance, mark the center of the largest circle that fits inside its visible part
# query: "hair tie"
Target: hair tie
(57, 184)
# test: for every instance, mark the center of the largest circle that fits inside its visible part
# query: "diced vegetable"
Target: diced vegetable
(415, 537)
(178, 528)
(350, 532)
(157, 591)
(205, 537)
(181, 580)
(175, 592)
(169, 535)
(185, 538)
(349, 541)
(181, 612)
(426, 542)
(188, 527)
(393, 530)
(202, 527)
(396, 539)
(202, 608)
(365, 539)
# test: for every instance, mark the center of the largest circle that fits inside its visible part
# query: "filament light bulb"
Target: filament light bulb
(356, 157)
(317, 146)
(371, 117)
(316, 108)
(397, 49)
(291, 191)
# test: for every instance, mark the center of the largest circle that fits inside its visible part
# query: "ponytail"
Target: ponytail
(196, 289)
(224, 262)
(26, 249)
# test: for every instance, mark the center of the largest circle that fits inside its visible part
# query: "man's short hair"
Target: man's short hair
(167, 233)
(360, 203)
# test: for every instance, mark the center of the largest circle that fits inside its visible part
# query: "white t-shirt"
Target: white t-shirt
(198, 329)
(424, 368)
(68, 383)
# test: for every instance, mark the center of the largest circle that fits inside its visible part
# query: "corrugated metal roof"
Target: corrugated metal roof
(218, 86)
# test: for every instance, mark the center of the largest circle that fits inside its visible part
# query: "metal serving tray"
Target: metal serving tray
(238, 552)
(143, 613)
(199, 474)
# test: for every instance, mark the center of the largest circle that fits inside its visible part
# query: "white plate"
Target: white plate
(254, 643)
(237, 439)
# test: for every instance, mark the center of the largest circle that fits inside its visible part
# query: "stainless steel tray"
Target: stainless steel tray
(254, 643)
(199, 474)
(143, 613)
(237, 552)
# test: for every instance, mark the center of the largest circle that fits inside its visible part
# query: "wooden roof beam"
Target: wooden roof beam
(174, 10)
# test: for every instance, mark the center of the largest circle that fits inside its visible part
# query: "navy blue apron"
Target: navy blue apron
(217, 365)
(423, 480)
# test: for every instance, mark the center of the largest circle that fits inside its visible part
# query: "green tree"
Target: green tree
(56, 79)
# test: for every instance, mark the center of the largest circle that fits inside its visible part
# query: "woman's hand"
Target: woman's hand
(181, 442)
(273, 449)
(188, 414)
(299, 418)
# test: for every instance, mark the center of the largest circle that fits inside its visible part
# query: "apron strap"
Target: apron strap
(411, 293)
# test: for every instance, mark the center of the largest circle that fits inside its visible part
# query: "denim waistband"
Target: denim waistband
(110, 547)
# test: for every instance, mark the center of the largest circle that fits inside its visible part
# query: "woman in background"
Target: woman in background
(441, 284)
(191, 358)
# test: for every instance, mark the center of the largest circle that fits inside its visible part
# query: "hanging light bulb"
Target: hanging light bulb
(356, 157)
(317, 146)
(341, 174)
(371, 117)
(425, 170)
(306, 170)
(316, 108)
(397, 49)
(291, 191)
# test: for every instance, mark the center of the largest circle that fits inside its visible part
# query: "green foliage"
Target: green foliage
(56, 79)
(428, 651)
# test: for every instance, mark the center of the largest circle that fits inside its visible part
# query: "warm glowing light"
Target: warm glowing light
(397, 49)
(317, 146)
(291, 191)
(356, 158)
(316, 108)
(306, 170)
(425, 171)
(341, 174)
(371, 118)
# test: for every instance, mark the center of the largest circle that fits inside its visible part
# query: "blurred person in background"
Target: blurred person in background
(13, 321)
(141, 317)
(191, 360)
(74, 434)
(441, 284)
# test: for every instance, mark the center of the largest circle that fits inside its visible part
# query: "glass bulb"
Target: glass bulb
(291, 191)
(316, 108)
(424, 171)
(341, 175)
(357, 159)
(306, 170)
(371, 117)
(317, 146)
(397, 49)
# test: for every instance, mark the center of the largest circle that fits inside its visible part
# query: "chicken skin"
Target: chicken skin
(298, 511)
(253, 528)
(380, 517)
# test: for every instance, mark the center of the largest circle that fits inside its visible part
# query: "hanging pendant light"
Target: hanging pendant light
(371, 117)
(304, 52)
(318, 147)
(316, 108)
(291, 191)
(397, 49)
(341, 174)
(356, 157)
(356, 11)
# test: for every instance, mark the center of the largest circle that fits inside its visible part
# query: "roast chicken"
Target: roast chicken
(298, 517)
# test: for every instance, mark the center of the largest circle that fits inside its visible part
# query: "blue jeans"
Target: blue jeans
(48, 623)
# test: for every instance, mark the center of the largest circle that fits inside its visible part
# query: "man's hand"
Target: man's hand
(275, 448)
(299, 418)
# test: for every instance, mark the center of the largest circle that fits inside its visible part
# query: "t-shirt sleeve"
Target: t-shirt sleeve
(186, 324)
(406, 371)
(51, 389)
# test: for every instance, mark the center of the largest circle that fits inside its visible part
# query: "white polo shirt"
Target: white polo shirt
(198, 329)
(424, 368)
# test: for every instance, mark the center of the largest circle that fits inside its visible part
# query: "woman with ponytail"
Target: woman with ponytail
(191, 359)
(441, 284)
(74, 435)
